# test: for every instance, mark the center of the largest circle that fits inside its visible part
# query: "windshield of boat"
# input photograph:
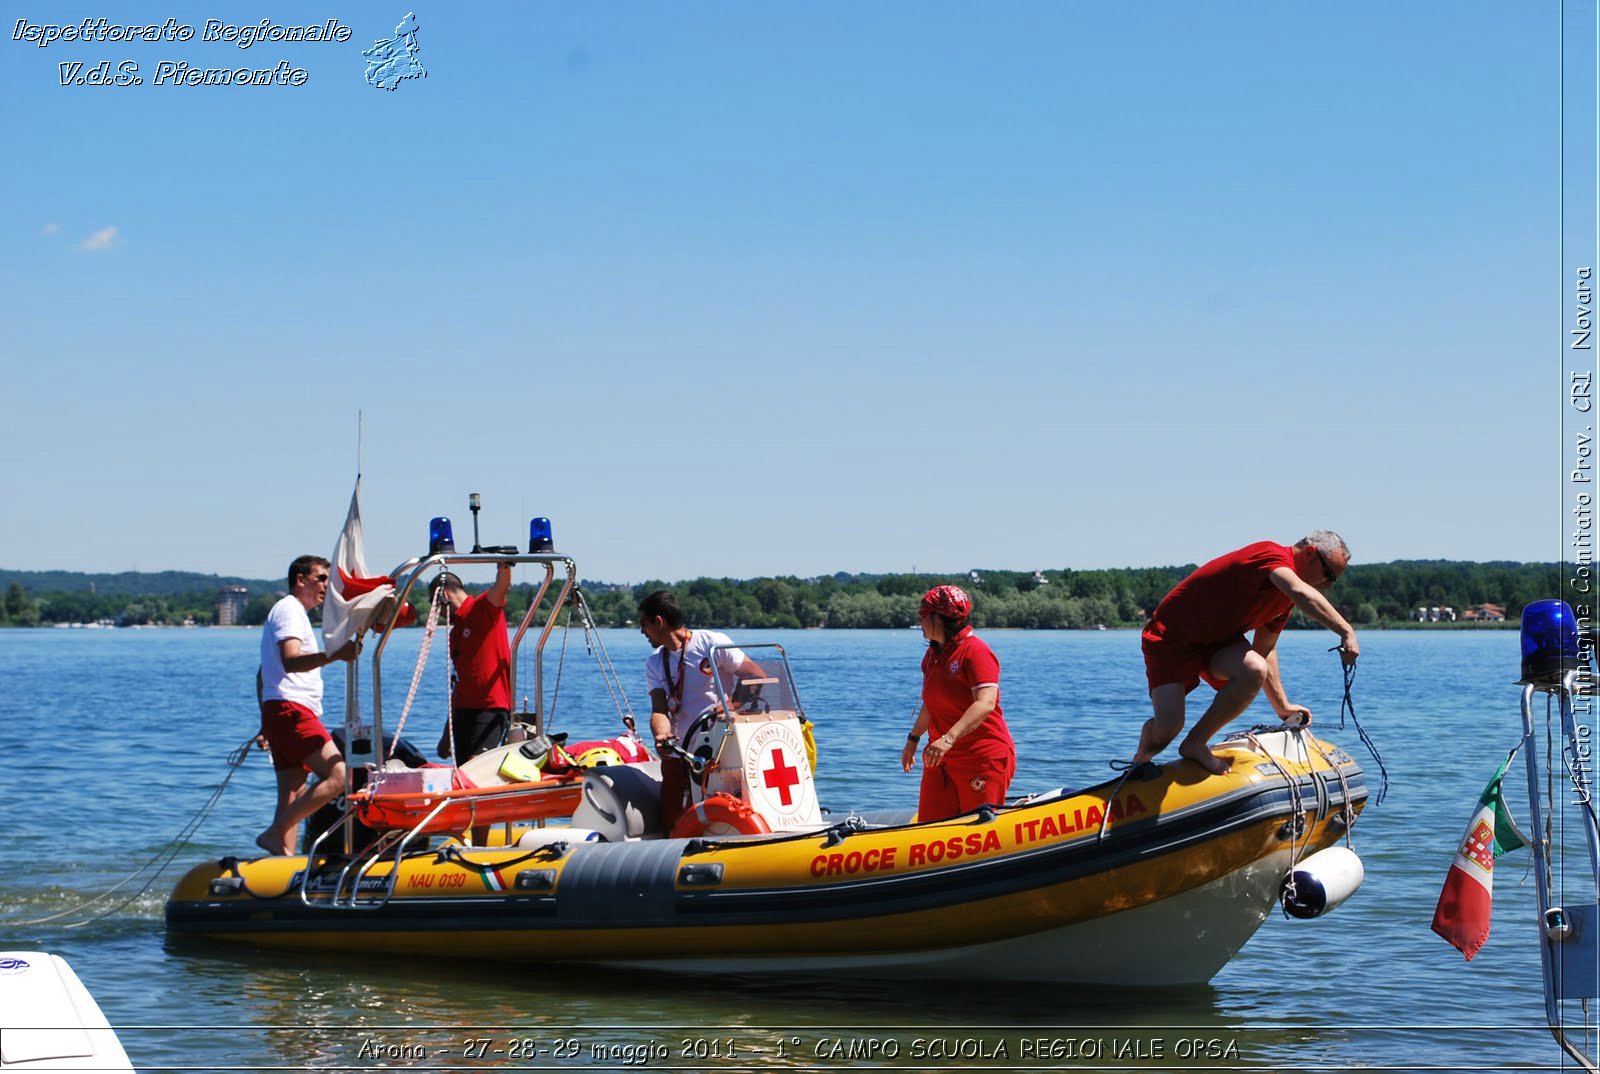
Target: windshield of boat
(760, 683)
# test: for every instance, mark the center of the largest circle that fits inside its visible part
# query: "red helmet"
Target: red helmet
(950, 601)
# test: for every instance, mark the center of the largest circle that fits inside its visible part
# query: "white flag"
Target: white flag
(353, 598)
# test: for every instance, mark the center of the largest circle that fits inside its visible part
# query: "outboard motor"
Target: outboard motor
(329, 815)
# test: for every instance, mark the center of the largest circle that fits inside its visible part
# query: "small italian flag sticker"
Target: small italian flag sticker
(1462, 916)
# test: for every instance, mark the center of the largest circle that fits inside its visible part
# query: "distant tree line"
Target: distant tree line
(24, 607)
(132, 583)
(126, 598)
(1368, 594)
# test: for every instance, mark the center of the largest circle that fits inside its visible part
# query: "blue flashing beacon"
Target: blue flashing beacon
(540, 537)
(1549, 642)
(441, 538)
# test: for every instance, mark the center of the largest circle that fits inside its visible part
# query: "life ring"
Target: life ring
(720, 814)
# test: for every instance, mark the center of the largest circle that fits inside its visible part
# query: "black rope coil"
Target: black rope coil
(1348, 704)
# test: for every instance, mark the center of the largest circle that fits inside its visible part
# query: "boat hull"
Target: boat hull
(1156, 945)
(1162, 891)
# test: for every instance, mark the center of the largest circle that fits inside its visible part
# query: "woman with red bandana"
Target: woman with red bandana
(971, 759)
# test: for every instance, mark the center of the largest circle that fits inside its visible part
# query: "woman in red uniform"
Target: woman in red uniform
(971, 759)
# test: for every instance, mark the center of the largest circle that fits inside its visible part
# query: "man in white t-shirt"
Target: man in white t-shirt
(682, 686)
(291, 706)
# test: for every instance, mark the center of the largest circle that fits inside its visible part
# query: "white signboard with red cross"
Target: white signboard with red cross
(763, 760)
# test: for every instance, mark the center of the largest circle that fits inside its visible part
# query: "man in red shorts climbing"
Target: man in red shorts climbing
(1198, 632)
(291, 706)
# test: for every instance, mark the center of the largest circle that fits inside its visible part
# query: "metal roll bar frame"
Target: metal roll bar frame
(1569, 973)
(409, 573)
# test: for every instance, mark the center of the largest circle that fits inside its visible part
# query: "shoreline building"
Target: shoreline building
(231, 600)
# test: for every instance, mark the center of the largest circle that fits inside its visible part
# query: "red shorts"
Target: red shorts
(1168, 661)
(294, 733)
(962, 784)
(674, 791)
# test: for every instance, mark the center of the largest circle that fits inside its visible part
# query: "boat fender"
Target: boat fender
(720, 814)
(809, 736)
(1321, 882)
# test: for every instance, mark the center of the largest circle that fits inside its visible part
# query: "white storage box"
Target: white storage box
(410, 780)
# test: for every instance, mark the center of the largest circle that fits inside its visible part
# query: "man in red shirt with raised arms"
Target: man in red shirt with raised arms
(1198, 632)
(480, 649)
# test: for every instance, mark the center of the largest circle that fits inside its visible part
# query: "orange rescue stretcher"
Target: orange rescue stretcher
(468, 807)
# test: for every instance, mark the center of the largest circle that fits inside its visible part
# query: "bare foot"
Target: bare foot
(272, 844)
(1148, 747)
(1201, 755)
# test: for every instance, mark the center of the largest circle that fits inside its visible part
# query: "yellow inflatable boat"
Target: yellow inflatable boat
(1155, 878)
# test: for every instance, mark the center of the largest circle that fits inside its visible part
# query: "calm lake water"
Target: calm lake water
(115, 739)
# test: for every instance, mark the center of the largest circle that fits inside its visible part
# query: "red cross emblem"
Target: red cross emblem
(781, 776)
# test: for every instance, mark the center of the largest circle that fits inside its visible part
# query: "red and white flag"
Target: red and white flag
(353, 597)
(1462, 916)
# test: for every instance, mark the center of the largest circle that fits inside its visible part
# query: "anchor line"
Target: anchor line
(1302, 734)
(165, 856)
(1296, 814)
(1366, 740)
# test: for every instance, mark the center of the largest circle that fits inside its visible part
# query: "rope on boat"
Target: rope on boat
(165, 856)
(416, 675)
(453, 852)
(1366, 740)
(832, 836)
(596, 648)
(561, 665)
(1297, 820)
(1296, 801)
(1347, 810)
(1127, 768)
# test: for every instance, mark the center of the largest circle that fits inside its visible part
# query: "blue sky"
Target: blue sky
(739, 289)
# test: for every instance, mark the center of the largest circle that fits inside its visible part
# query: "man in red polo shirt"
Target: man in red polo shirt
(1198, 632)
(480, 650)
